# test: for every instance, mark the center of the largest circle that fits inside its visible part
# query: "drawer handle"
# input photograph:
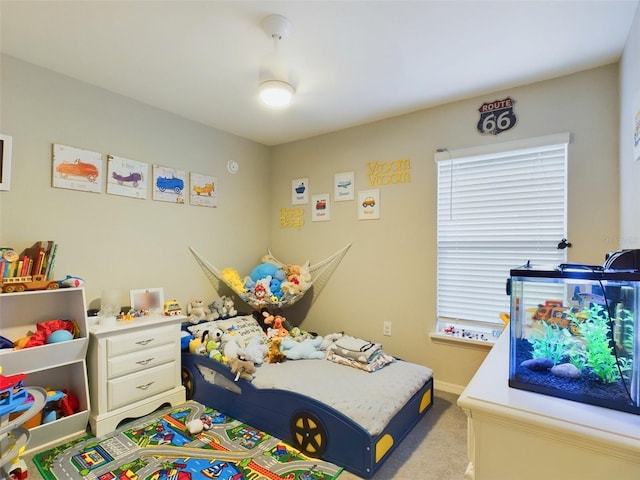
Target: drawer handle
(145, 362)
(144, 342)
(145, 386)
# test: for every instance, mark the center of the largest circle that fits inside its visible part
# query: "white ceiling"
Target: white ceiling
(352, 62)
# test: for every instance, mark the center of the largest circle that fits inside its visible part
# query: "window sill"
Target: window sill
(461, 342)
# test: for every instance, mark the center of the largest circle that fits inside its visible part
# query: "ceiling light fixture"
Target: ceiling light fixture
(275, 89)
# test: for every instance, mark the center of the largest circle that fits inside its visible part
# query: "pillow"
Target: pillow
(245, 327)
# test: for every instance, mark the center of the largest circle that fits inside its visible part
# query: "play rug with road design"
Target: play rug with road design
(159, 446)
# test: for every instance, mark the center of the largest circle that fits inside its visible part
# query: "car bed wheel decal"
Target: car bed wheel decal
(187, 383)
(308, 434)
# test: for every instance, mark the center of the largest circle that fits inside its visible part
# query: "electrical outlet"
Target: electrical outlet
(386, 329)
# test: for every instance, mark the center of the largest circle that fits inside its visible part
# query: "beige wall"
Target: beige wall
(113, 241)
(629, 168)
(389, 273)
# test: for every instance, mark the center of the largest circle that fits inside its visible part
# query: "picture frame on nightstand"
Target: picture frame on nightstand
(148, 300)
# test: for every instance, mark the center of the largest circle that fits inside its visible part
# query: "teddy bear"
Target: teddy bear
(242, 368)
(307, 349)
(223, 307)
(197, 311)
(229, 306)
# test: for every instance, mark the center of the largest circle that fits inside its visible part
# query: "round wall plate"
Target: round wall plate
(233, 166)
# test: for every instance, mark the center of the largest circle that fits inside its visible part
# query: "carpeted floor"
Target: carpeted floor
(436, 448)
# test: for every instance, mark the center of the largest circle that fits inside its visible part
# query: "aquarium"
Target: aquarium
(575, 334)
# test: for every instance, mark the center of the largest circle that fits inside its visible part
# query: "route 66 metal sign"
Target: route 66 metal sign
(497, 116)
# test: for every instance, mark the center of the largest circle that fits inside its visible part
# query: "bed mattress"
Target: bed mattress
(371, 399)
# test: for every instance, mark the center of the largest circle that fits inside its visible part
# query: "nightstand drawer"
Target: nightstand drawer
(140, 360)
(121, 344)
(126, 390)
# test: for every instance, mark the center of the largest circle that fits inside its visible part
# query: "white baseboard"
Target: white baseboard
(448, 387)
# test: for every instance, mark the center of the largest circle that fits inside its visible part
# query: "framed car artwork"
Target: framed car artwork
(77, 169)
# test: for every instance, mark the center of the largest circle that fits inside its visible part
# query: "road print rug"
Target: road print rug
(159, 446)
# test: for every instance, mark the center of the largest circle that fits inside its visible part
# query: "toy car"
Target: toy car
(170, 183)
(133, 177)
(207, 189)
(172, 307)
(369, 202)
(20, 284)
(78, 169)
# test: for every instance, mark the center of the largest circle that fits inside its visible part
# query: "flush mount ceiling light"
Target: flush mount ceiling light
(275, 88)
(276, 93)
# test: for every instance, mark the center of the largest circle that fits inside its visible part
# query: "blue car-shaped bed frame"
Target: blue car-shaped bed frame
(312, 427)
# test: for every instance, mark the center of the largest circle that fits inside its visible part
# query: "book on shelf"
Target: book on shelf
(38, 259)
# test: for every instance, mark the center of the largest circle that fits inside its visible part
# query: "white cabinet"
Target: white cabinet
(520, 434)
(134, 368)
(59, 366)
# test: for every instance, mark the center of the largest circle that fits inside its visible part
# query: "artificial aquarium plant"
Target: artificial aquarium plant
(552, 343)
(597, 352)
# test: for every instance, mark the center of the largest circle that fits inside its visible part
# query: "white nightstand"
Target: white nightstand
(134, 368)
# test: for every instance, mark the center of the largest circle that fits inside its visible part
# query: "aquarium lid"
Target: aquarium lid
(575, 271)
(628, 260)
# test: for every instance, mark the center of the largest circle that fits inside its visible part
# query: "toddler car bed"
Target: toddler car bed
(341, 414)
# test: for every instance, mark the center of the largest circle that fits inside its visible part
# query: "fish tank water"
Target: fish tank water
(574, 334)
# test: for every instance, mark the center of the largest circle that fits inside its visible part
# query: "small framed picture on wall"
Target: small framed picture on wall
(343, 186)
(299, 191)
(5, 161)
(369, 204)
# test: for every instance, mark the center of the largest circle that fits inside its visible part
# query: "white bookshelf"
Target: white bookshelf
(59, 366)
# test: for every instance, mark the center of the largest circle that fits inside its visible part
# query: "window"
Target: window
(498, 208)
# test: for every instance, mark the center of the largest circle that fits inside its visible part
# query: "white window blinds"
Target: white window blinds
(496, 211)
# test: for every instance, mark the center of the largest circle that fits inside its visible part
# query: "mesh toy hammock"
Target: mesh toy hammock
(319, 272)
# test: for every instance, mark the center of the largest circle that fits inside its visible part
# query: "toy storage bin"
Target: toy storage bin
(59, 365)
(574, 334)
(72, 378)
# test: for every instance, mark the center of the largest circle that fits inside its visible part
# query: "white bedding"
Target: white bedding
(370, 399)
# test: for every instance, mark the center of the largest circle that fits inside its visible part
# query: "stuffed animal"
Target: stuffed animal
(232, 277)
(229, 346)
(223, 307)
(330, 339)
(197, 311)
(242, 368)
(197, 425)
(255, 351)
(196, 345)
(274, 355)
(306, 349)
(212, 339)
(299, 335)
(275, 325)
(229, 306)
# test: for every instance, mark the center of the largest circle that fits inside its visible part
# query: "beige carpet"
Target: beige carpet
(436, 448)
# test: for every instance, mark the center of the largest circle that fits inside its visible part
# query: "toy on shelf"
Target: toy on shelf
(14, 437)
(30, 270)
